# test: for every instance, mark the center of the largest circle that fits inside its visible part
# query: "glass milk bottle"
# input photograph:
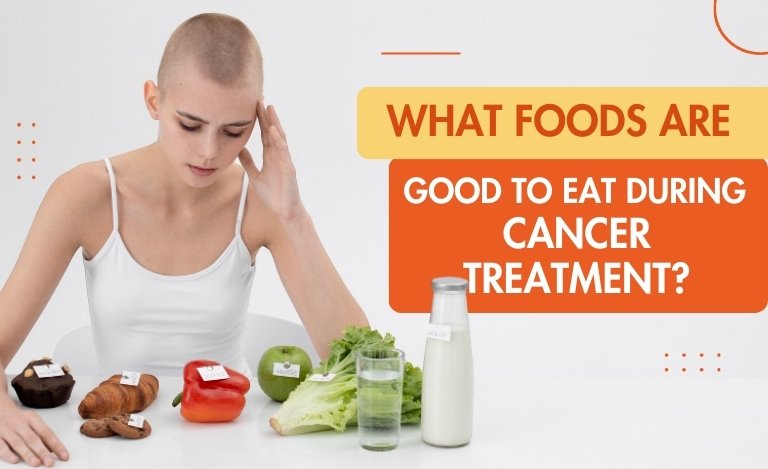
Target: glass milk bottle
(446, 400)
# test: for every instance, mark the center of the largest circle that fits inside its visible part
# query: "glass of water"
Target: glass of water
(379, 397)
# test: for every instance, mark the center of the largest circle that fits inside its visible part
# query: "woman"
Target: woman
(169, 231)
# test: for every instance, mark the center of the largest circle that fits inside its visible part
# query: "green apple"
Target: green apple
(281, 369)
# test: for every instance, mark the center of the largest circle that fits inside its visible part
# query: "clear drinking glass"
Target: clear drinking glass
(379, 397)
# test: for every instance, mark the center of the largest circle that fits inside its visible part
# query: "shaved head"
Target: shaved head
(219, 46)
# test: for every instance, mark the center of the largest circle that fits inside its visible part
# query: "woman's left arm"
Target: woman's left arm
(316, 289)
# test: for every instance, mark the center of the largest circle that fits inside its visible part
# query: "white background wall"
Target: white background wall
(76, 68)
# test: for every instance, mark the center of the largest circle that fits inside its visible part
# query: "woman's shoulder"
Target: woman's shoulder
(86, 181)
(84, 188)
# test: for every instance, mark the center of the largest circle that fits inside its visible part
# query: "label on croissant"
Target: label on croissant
(130, 378)
(48, 371)
(212, 373)
(289, 370)
(136, 420)
(322, 377)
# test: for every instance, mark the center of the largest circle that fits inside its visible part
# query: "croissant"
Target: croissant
(110, 397)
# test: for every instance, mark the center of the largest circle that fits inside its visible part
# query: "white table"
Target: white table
(519, 423)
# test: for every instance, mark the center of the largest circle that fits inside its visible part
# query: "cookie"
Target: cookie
(97, 428)
(119, 425)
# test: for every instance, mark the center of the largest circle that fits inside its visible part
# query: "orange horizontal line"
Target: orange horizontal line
(421, 53)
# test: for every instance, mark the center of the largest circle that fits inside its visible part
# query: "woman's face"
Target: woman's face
(203, 125)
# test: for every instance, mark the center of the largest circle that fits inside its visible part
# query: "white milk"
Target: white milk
(447, 390)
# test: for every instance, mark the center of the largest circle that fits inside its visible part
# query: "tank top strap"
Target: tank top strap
(241, 208)
(113, 189)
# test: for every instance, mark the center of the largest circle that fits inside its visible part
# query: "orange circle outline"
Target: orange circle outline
(729, 41)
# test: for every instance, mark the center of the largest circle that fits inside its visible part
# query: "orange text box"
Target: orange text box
(581, 236)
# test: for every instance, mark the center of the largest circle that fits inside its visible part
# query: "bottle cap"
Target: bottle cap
(449, 284)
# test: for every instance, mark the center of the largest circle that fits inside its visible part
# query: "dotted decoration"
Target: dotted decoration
(684, 355)
(20, 159)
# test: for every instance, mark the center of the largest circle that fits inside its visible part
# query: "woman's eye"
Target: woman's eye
(187, 128)
(193, 129)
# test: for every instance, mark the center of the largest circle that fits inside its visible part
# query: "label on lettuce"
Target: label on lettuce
(322, 377)
(48, 371)
(212, 373)
(288, 370)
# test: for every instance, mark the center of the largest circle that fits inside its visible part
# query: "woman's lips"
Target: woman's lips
(197, 171)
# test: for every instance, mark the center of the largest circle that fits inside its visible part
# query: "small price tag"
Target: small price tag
(130, 378)
(289, 370)
(439, 332)
(213, 373)
(136, 420)
(323, 378)
(48, 371)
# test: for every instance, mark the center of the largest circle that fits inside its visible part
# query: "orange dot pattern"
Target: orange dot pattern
(19, 159)
(685, 355)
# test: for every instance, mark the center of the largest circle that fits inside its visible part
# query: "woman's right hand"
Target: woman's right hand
(25, 437)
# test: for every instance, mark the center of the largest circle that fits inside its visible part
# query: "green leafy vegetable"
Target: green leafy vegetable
(316, 405)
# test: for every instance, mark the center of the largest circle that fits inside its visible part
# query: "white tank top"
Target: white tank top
(149, 322)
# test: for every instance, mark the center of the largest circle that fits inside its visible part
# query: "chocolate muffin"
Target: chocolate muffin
(43, 393)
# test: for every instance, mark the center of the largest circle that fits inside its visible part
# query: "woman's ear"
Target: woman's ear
(152, 99)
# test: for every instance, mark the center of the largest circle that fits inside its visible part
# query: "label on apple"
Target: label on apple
(212, 373)
(130, 378)
(48, 371)
(289, 370)
(322, 377)
(439, 332)
(136, 420)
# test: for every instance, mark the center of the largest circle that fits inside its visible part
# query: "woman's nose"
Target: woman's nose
(209, 146)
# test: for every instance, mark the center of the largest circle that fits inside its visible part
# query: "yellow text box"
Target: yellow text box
(616, 122)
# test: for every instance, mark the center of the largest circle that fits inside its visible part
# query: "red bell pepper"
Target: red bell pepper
(211, 401)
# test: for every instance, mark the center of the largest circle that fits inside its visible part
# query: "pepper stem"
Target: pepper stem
(177, 399)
